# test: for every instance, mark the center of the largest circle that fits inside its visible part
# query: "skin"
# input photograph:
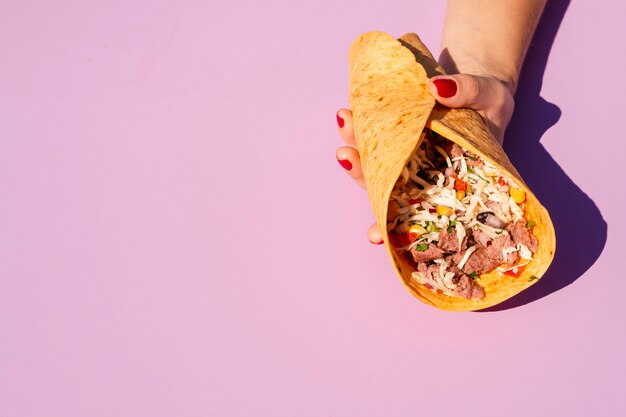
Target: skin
(483, 48)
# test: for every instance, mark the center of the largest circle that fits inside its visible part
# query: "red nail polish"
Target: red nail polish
(381, 242)
(446, 87)
(347, 165)
(340, 121)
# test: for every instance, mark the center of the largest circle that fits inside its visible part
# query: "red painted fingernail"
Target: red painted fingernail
(347, 165)
(446, 87)
(340, 121)
(381, 242)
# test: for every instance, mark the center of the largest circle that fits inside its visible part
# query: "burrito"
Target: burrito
(462, 229)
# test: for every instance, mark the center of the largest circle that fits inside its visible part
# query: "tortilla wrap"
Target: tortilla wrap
(391, 106)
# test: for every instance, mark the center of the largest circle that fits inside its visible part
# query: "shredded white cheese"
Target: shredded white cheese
(468, 252)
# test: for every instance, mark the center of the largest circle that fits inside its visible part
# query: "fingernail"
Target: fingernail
(340, 121)
(381, 242)
(446, 87)
(347, 165)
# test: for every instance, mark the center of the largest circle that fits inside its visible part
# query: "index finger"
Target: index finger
(344, 125)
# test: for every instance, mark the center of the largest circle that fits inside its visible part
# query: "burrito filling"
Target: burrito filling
(455, 216)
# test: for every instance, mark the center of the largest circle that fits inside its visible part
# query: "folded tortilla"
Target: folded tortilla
(391, 106)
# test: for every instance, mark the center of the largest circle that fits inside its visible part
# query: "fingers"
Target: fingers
(344, 125)
(348, 158)
(374, 235)
(489, 96)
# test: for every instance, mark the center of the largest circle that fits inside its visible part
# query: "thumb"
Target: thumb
(489, 96)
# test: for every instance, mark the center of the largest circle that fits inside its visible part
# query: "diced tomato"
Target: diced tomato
(516, 272)
(502, 181)
(432, 210)
(415, 201)
(459, 184)
(402, 240)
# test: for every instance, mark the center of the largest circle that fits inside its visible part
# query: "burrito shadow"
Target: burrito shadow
(580, 229)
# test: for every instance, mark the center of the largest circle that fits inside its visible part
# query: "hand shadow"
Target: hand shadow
(580, 229)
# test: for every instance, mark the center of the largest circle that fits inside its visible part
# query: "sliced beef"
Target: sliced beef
(480, 262)
(433, 272)
(495, 250)
(489, 256)
(430, 272)
(430, 254)
(478, 292)
(477, 262)
(448, 242)
(481, 237)
(522, 234)
(465, 286)
(452, 149)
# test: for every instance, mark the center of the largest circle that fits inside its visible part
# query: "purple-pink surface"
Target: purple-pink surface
(177, 239)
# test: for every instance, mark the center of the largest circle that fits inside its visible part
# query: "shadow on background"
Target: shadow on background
(580, 228)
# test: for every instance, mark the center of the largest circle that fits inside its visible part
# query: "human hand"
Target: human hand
(489, 96)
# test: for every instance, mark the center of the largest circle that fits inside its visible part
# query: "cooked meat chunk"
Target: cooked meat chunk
(478, 262)
(487, 257)
(465, 286)
(452, 149)
(448, 242)
(495, 250)
(481, 237)
(430, 254)
(478, 292)
(522, 234)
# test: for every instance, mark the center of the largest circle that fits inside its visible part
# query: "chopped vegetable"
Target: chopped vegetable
(417, 229)
(502, 181)
(402, 240)
(516, 271)
(421, 247)
(473, 275)
(460, 195)
(518, 194)
(530, 223)
(459, 184)
(444, 211)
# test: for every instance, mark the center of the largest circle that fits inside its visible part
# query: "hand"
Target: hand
(490, 97)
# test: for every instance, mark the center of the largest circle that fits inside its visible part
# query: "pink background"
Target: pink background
(177, 239)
